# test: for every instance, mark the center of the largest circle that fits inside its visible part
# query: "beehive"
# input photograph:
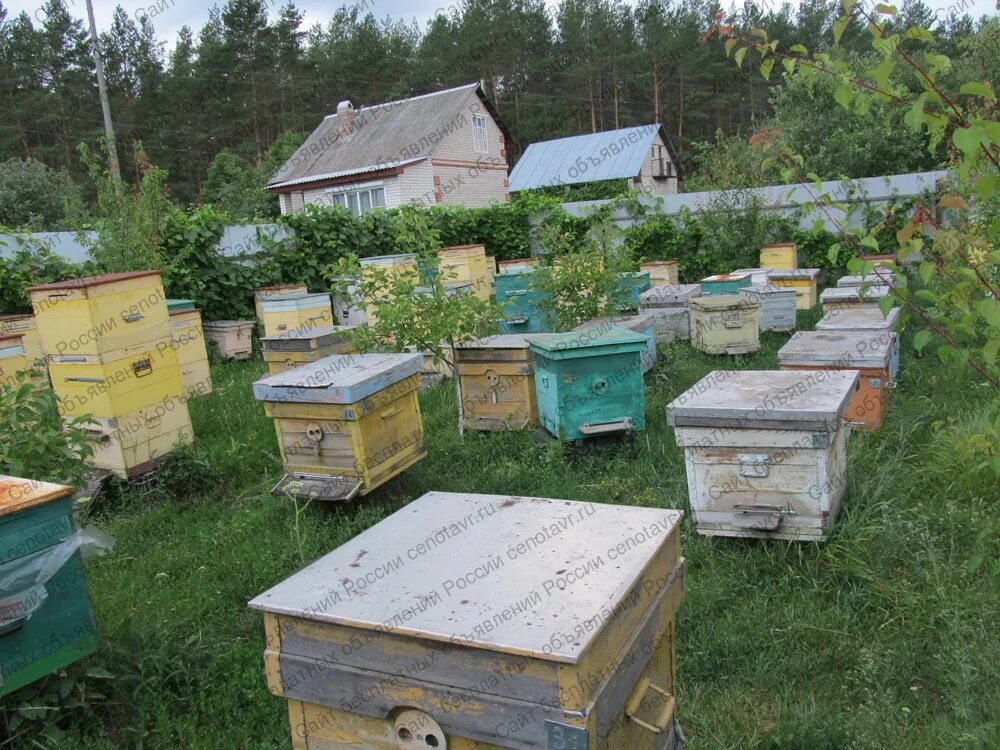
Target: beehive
(437, 366)
(519, 265)
(758, 276)
(765, 451)
(13, 362)
(669, 307)
(879, 277)
(466, 263)
(133, 443)
(803, 281)
(568, 644)
(348, 308)
(297, 348)
(296, 313)
(777, 306)
(233, 338)
(192, 355)
(724, 283)
(101, 314)
(866, 318)
(346, 424)
(841, 298)
(524, 307)
(179, 305)
(643, 324)
(403, 265)
(867, 352)
(631, 284)
(27, 328)
(491, 272)
(46, 620)
(724, 324)
(782, 256)
(661, 272)
(588, 385)
(275, 290)
(497, 376)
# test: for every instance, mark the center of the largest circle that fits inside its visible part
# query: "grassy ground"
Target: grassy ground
(879, 638)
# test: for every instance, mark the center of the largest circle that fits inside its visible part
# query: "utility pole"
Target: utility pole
(102, 87)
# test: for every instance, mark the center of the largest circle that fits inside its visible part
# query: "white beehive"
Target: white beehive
(777, 306)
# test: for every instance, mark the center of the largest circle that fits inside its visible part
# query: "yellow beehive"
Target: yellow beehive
(132, 444)
(192, 355)
(101, 314)
(783, 256)
(288, 351)
(466, 263)
(12, 360)
(803, 281)
(346, 424)
(491, 271)
(497, 374)
(296, 313)
(661, 272)
(267, 292)
(27, 327)
(116, 383)
(724, 324)
(404, 264)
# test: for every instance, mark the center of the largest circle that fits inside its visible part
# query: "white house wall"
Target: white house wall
(647, 182)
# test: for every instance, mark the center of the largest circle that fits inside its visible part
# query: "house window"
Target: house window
(359, 201)
(479, 133)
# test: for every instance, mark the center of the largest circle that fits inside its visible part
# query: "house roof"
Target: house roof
(611, 155)
(384, 136)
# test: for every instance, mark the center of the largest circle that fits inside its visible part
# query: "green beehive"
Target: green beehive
(522, 305)
(46, 621)
(176, 305)
(630, 286)
(724, 283)
(589, 385)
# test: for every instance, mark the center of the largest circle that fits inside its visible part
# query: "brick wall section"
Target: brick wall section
(416, 184)
(472, 186)
(469, 177)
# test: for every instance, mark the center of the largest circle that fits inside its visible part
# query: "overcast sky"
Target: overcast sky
(169, 15)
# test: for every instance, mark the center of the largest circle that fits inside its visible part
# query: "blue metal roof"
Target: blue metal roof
(612, 155)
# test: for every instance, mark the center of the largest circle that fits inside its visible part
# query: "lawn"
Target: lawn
(881, 637)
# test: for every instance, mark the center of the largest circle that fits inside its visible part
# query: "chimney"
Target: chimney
(345, 118)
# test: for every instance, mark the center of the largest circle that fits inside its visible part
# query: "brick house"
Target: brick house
(446, 147)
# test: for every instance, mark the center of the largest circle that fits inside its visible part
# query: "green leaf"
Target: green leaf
(886, 304)
(759, 33)
(833, 253)
(989, 309)
(800, 48)
(844, 95)
(788, 64)
(914, 116)
(975, 88)
(967, 139)
(766, 66)
(919, 32)
(990, 350)
(889, 10)
(926, 271)
(839, 26)
(730, 43)
(740, 54)
(921, 340)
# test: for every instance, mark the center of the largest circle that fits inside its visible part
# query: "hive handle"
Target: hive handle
(142, 367)
(390, 413)
(133, 318)
(637, 699)
(11, 627)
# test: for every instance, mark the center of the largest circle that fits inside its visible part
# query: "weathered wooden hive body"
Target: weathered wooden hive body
(295, 349)
(866, 318)
(275, 290)
(188, 339)
(346, 424)
(405, 265)
(13, 361)
(724, 324)
(867, 352)
(27, 327)
(233, 338)
(878, 277)
(661, 272)
(804, 281)
(776, 311)
(780, 257)
(467, 264)
(296, 313)
(844, 297)
(588, 386)
(643, 324)
(483, 639)
(669, 307)
(765, 451)
(498, 382)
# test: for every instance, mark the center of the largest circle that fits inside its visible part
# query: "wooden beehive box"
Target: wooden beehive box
(192, 354)
(133, 444)
(275, 290)
(523, 306)
(46, 620)
(497, 376)
(233, 338)
(782, 256)
(491, 272)
(631, 284)
(466, 263)
(841, 298)
(13, 361)
(866, 318)
(27, 327)
(346, 424)
(758, 276)
(101, 314)
(643, 324)
(436, 368)
(661, 272)
(868, 352)
(482, 639)
(777, 306)
(405, 265)
(518, 265)
(803, 281)
(724, 283)
(765, 451)
(588, 386)
(724, 324)
(296, 313)
(669, 307)
(878, 277)
(297, 348)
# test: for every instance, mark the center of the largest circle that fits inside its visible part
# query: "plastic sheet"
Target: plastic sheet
(22, 582)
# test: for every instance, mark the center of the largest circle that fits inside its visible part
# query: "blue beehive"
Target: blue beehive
(589, 385)
(724, 283)
(523, 308)
(630, 286)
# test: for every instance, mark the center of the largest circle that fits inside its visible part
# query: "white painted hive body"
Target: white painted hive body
(777, 306)
(669, 307)
(758, 276)
(765, 451)
(866, 318)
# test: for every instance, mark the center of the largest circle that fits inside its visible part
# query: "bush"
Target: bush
(29, 267)
(35, 198)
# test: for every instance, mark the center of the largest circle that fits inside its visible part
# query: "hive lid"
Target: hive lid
(868, 317)
(838, 349)
(672, 295)
(228, 323)
(637, 323)
(275, 287)
(767, 290)
(721, 277)
(299, 298)
(408, 566)
(796, 274)
(656, 264)
(383, 260)
(582, 344)
(17, 494)
(305, 340)
(179, 305)
(92, 281)
(776, 245)
(850, 294)
(501, 341)
(338, 379)
(767, 399)
(718, 302)
(875, 278)
(752, 271)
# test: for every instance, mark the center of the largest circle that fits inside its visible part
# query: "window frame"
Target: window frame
(480, 134)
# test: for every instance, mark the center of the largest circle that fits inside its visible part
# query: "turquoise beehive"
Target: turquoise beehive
(524, 311)
(630, 285)
(589, 385)
(724, 283)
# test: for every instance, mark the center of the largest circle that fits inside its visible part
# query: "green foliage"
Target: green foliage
(35, 198)
(587, 191)
(35, 442)
(30, 266)
(729, 162)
